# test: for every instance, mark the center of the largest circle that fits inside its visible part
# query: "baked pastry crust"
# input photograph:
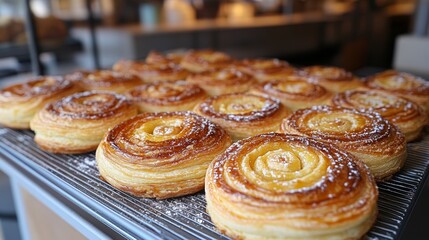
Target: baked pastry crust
(402, 84)
(294, 94)
(368, 136)
(77, 123)
(152, 72)
(243, 115)
(406, 115)
(160, 155)
(334, 79)
(20, 102)
(105, 80)
(223, 81)
(277, 186)
(266, 69)
(155, 57)
(166, 96)
(205, 60)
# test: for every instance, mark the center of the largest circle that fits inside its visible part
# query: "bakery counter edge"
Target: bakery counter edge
(282, 35)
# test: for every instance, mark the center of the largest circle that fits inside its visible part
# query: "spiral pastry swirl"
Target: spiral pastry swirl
(166, 96)
(243, 115)
(278, 186)
(105, 80)
(77, 123)
(367, 135)
(155, 57)
(160, 155)
(152, 72)
(266, 69)
(205, 60)
(223, 81)
(294, 94)
(20, 102)
(332, 78)
(402, 84)
(406, 115)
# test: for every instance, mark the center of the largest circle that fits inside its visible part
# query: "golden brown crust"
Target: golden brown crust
(155, 57)
(228, 80)
(294, 94)
(105, 80)
(277, 186)
(152, 72)
(205, 60)
(266, 69)
(77, 123)
(243, 115)
(367, 135)
(334, 79)
(160, 155)
(402, 84)
(20, 102)
(406, 115)
(166, 96)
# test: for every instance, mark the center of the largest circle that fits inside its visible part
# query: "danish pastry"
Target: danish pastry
(277, 186)
(77, 123)
(160, 155)
(368, 136)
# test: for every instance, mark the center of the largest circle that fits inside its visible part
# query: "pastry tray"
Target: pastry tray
(77, 179)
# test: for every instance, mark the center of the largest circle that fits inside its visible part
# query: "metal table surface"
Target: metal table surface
(74, 179)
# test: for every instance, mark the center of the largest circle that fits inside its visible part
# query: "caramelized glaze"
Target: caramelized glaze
(39, 87)
(89, 105)
(152, 72)
(105, 80)
(398, 82)
(228, 80)
(390, 107)
(205, 60)
(164, 93)
(239, 107)
(266, 69)
(157, 139)
(285, 186)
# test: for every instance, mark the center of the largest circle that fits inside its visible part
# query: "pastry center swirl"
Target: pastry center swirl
(274, 169)
(88, 105)
(397, 81)
(41, 86)
(240, 105)
(374, 100)
(158, 130)
(336, 122)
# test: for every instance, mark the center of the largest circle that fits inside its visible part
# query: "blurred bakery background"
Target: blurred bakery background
(347, 33)
(60, 36)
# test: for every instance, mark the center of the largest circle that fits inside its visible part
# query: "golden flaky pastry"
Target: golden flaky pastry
(160, 155)
(266, 69)
(406, 115)
(243, 115)
(334, 79)
(152, 72)
(105, 80)
(277, 186)
(368, 136)
(402, 84)
(294, 94)
(222, 81)
(166, 96)
(77, 123)
(205, 60)
(20, 102)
